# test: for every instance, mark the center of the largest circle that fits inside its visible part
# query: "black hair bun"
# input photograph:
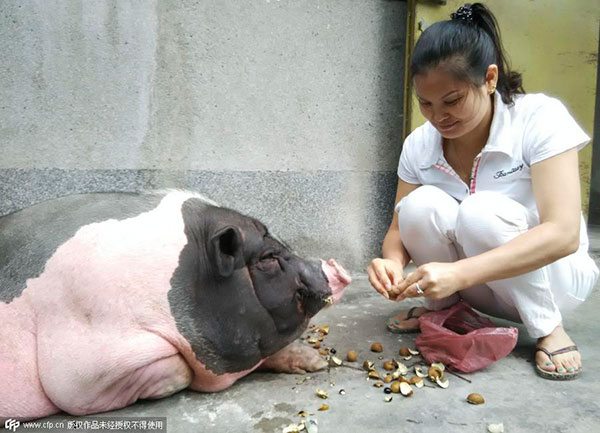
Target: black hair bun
(464, 13)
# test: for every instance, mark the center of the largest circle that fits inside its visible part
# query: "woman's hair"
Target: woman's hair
(465, 46)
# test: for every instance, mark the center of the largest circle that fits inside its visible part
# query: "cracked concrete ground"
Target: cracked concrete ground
(514, 394)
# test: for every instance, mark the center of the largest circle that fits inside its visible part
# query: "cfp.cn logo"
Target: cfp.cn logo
(11, 424)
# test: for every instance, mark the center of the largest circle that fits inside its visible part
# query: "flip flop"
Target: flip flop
(392, 324)
(553, 375)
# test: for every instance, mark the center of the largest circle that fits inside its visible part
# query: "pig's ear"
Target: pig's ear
(227, 248)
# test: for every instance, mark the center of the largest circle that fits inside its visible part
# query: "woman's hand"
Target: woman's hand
(436, 281)
(384, 276)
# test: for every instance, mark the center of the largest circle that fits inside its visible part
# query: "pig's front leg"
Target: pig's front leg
(294, 358)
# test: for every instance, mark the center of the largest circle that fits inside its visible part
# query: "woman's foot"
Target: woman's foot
(557, 356)
(406, 320)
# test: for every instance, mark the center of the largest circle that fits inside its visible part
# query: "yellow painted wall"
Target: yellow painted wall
(553, 43)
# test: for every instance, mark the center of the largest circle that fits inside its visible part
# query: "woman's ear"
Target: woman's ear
(491, 78)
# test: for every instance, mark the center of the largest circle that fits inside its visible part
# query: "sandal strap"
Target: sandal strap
(409, 314)
(565, 350)
(557, 352)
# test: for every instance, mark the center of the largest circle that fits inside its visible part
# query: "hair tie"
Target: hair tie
(464, 13)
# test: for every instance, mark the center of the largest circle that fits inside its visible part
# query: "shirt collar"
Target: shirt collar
(498, 141)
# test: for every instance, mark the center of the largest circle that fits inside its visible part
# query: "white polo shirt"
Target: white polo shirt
(534, 128)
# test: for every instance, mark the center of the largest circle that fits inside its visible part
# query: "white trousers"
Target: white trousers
(435, 227)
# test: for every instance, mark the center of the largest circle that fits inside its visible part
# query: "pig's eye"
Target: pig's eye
(269, 261)
(268, 255)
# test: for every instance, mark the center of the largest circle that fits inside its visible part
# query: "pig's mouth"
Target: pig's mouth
(337, 277)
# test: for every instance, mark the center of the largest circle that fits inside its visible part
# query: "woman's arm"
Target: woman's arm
(556, 188)
(557, 195)
(385, 273)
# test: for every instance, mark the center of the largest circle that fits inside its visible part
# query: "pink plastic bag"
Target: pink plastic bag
(462, 339)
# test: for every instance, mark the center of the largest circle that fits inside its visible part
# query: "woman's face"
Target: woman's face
(454, 108)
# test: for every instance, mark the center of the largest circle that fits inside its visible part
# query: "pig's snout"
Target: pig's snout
(337, 278)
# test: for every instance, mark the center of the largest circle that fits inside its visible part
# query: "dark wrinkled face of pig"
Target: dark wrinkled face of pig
(238, 294)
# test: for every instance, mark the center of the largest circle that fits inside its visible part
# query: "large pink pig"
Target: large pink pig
(110, 298)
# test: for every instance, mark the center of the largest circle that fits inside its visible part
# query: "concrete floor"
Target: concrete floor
(514, 394)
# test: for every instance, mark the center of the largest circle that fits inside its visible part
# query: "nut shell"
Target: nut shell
(442, 383)
(373, 374)
(322, 393)
(405, 389)
(334, 361)
(435, 373)
(475, 398)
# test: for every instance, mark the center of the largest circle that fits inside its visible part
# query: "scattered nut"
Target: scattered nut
(404, 351)
(317, 345)
(351, 356)
(321, 393)
(405, 389)
(417, 381)
(401, 370)
(324, 407)
(378, 384)
(395, 387)
(475, 398)
(387, 398)
(413, 351)
(302, 413)
(376, 347)
(419, 371)
(334, 361)
(439, 365)
(293, 428)
(373, 374)
(496, 428)
(324, 351)
(368, 365)
(388, 365)
(442, 383)
(434, 373)
(388, 378)
(324, 329)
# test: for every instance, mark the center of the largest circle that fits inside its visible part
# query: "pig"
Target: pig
(107, 298)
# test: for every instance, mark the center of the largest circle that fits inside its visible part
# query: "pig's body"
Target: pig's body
(109, 298)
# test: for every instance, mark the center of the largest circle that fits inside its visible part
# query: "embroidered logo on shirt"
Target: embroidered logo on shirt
(503, 173)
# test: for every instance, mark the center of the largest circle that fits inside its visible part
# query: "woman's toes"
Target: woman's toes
(571, 365)
(544, 362)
